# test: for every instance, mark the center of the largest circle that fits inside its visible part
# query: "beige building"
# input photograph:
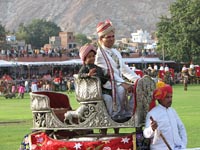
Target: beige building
(64, 40)
(67, 40)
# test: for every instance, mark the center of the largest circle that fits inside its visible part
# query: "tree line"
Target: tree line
(179, 35)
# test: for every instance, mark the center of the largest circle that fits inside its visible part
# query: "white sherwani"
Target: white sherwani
(171, 127)
(123, 69)
(119, 68)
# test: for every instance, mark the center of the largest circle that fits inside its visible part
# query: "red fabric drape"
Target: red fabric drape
(40, 141)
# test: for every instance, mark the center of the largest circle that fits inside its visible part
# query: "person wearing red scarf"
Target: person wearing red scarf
(162, 120)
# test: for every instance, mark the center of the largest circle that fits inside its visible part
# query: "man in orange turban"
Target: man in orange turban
(164, 119)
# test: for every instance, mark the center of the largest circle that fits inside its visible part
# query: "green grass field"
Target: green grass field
(16, 117)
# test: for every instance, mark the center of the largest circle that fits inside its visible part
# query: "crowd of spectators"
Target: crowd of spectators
(54, 52)
(71, 53)
(59, 80)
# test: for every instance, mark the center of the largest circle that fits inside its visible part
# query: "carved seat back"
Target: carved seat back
(88, 89)
(144, 91)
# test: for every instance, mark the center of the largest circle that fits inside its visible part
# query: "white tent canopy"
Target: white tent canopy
(145, 60)
(68, 62)
(4, 63)
(142, 60)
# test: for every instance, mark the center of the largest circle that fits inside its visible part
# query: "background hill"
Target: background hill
(82, 16)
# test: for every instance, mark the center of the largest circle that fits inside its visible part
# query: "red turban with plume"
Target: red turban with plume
(160, 93)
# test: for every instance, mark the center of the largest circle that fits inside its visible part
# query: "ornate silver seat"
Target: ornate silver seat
(92, 112)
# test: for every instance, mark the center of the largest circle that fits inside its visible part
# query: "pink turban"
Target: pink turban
(84, 50)
(160, 93)
(104, 28)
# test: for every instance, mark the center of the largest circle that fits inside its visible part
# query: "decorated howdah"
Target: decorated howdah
(57, 126)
